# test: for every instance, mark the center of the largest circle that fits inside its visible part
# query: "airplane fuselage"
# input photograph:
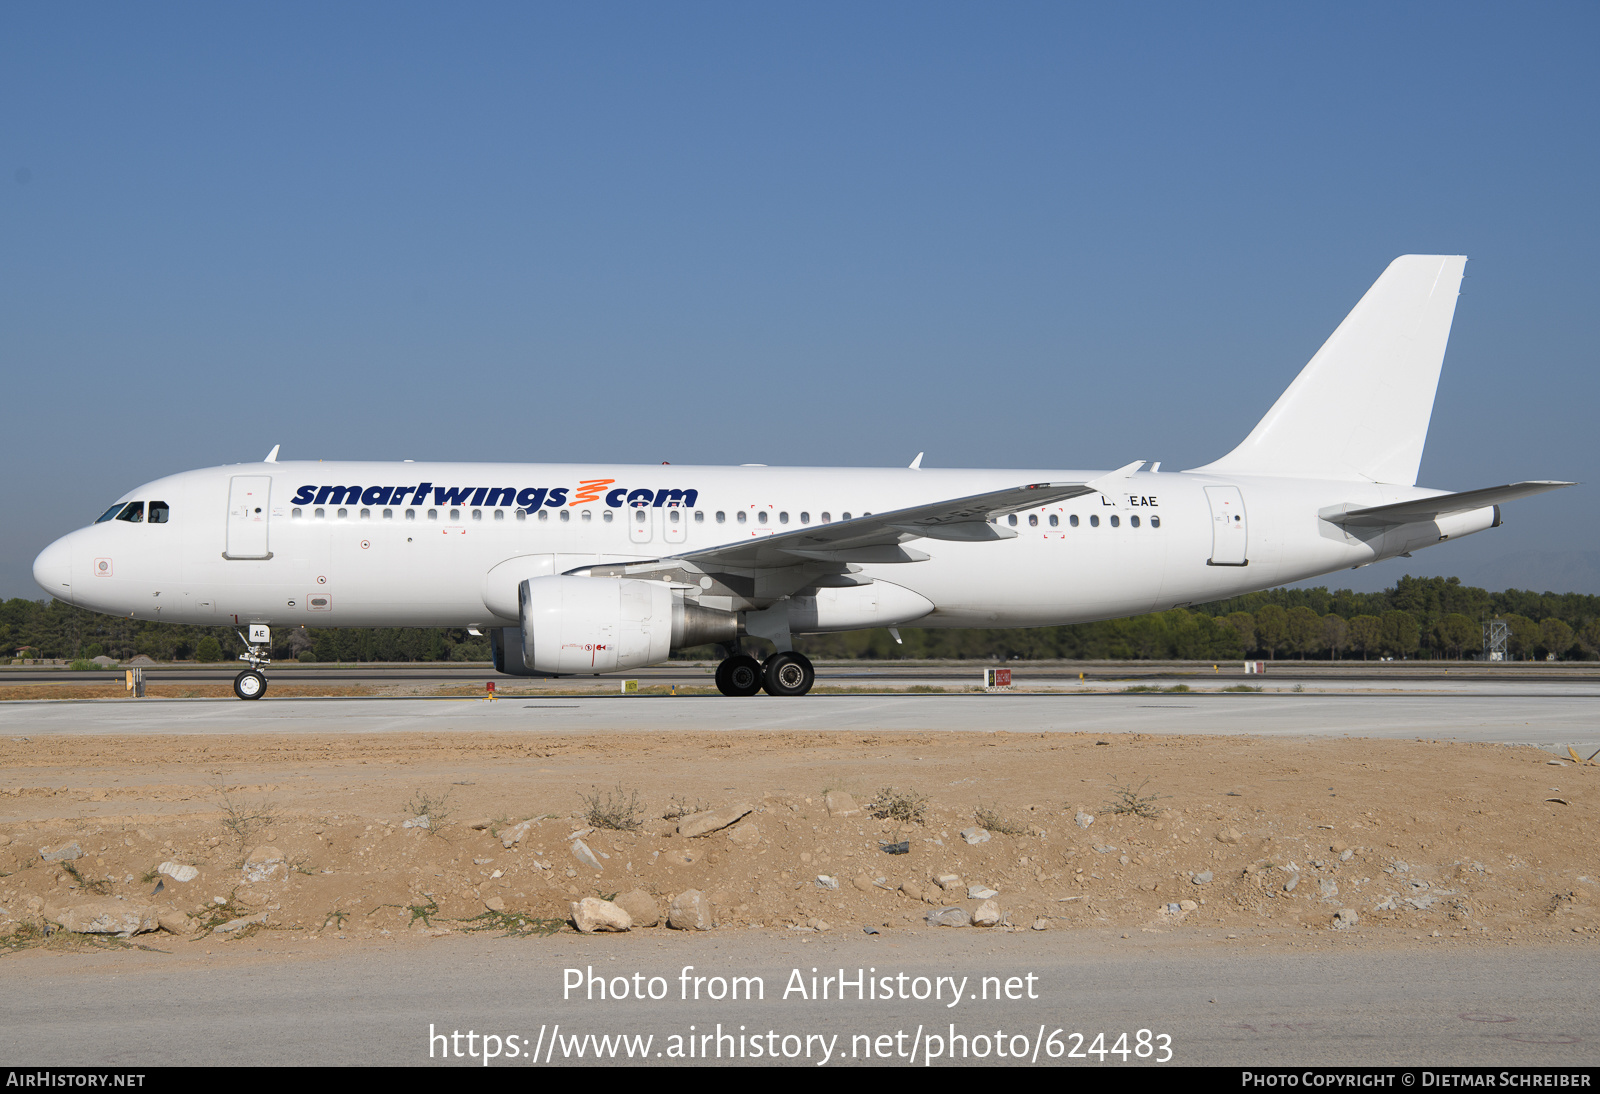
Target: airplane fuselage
(428, 545)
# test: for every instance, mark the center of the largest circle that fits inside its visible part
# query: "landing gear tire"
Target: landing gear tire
(788, 674)
(249, 684)
(739, 676)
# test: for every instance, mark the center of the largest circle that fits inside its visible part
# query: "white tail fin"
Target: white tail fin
(1360, 408)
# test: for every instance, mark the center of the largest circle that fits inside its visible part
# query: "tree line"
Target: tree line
(1428, 618)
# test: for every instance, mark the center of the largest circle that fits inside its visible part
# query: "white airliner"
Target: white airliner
(579, 569)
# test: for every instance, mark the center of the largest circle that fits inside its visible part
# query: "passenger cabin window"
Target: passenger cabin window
(673, 516)
(826, 519)
(565, 516)
(1012, 520)
(522, 514)
(588, 516)
(344, 514)
(296, 513)
(133, 513)
(783, 518)
(607, 516)
(544, 514)
(411, 514)
(388, 514)
(1094, 521)
(1134, 521)
(1055, 521)
(433, 514)
(1033, 520)
(844, 516)
(805, 518)
(699, 516)
(1073, 520)
(477, 514)
(722, 518)
(455, 515)
(638, 516)
(319, 513)
(499, 514)
(1155, 522)
(761, 517)
(366, 514)
(741, 516)
(159, 513)
(1116, 522)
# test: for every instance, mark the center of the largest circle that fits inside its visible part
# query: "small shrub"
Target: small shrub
(990, 818)
(436, 809)
(242, 821)
(1128, 801)
(900, 806)
(617, 809)
(208, 650)
(683, 807)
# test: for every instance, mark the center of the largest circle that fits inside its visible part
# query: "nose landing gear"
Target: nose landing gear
(252, 682)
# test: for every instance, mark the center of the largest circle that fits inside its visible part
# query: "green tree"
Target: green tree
(208, 650)
(1335, 634)
(1556, 637)
(1365, 632)
(1456, 632)
(1272, 628)
(1399, 636)
(1303, 632)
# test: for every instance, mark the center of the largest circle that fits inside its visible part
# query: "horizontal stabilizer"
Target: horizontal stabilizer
(1422, 509)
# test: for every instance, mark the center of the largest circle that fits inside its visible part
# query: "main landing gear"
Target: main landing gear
(780, 674)
(252, 682)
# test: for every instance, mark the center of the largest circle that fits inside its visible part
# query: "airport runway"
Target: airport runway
(1220, 1002)
(1552, 717)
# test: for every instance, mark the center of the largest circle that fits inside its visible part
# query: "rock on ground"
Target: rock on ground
(744, 835)
(581, 852)
(640, 906)
(690, 911)
(109, 916)
(593, 914)
(65, 852)
(987, 914)
(975, 835)
(713, 820)
(949, 916)
(262, 863)
(840, 804)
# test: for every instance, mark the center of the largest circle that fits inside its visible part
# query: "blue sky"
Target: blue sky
(1010, 235)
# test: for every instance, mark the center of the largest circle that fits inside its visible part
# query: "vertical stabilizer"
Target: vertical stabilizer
(1360, 408)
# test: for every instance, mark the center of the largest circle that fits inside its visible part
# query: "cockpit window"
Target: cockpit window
(159, 512)
(109, 513)
(134, 513)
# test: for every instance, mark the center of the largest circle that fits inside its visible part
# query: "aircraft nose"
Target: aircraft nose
(52, 570)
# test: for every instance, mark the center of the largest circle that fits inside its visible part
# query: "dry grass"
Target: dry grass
(617, 809)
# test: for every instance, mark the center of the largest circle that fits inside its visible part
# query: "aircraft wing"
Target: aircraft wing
(877, 537)
(1407, 512)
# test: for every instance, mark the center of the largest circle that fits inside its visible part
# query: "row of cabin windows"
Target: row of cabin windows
(640, 515)
(134, 513)
(1094, 521)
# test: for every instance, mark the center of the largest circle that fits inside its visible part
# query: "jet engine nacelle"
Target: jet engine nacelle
(583, 625)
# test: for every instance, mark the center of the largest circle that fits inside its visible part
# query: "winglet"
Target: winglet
(1099, 485)
(272, 457)
(916, 464)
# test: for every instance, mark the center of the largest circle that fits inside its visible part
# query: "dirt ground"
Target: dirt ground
(1266, 839)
